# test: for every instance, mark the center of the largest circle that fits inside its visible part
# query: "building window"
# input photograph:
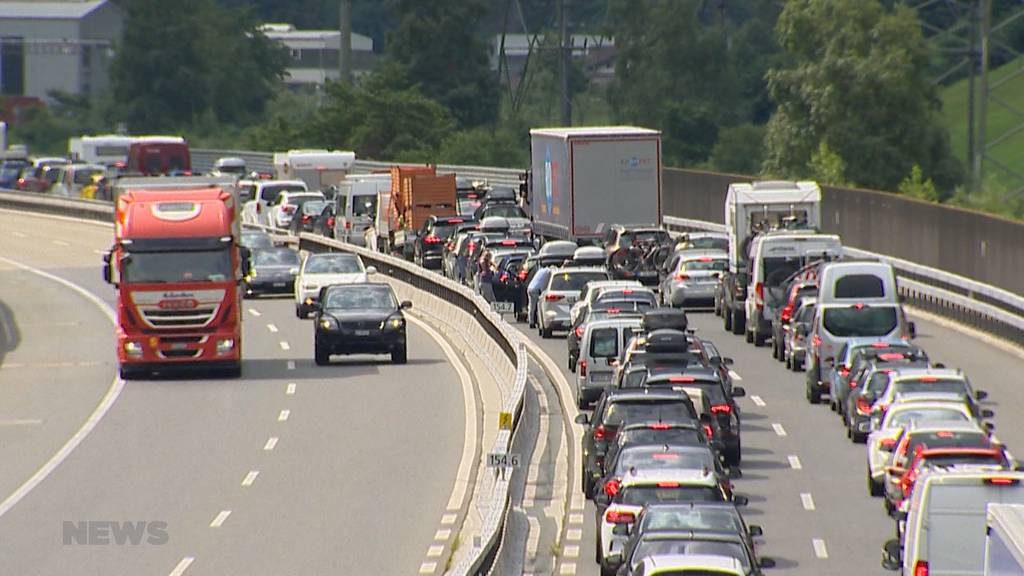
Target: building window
(12, 66)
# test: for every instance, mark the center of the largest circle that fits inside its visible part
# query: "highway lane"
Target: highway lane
(806, 481)
(292, 469)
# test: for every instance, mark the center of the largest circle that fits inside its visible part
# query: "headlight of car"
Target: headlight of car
(328, 323)
(394, 323)
(252, 273)
(294, 271)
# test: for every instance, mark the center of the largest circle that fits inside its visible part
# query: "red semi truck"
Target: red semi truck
(176, 265)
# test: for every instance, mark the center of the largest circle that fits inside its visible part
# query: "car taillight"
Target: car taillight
(816, 341)
(306, 218)
(330, 221)
(521, 275)
(472, 247)
(583, 368)
(658, 426)
(503, 277)
(682, 379)
(288, 209)
(863, 407)
(787, 312)
(553, 297)
(348, 224)
(921, 568)
(579, 331)
(886, 443)
(709, 432)
(759, 290)
(448, 247)
(668, 484)
(882, 408)
(611, 487)
(1002, 481)
(721, 409)
(600, 432)
(844, 372)
(682, 276)
(432, 239)
(616, 517)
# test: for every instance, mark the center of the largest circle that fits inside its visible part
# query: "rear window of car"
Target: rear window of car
(806, 313)
(686, 436)
(859, 286)
(878, 382)
(364, 205)
(948, 439)
(657, 458)
(270, 193)
(683, 546)
(624, 411)
(574, 281)
(714, 264)
(333, 264)
(905, 417)
(940, 386)
(644, 495)
(695, 518)
(777, 269)
(659, 236)
(313, 206)
(713, 390)
(856, 321)
(276, 257)
(604, 343)
(504, 210)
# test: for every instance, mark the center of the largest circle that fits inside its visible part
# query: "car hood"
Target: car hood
(374, 316)
(327, 279)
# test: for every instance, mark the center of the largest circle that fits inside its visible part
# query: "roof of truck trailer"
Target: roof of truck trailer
(595, 131)
(193, 213)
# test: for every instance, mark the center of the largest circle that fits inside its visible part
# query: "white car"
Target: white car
(319, 270)
(279, 213)
(900, 415)
(593, 289)
(263, 192)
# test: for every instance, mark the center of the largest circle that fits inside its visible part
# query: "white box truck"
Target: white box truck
(1004, 540)
(319, 169)
(586, 179)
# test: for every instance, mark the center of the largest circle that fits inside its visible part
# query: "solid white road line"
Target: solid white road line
(807, 501)
(182, 566)
(219, 520)
(97, 414)
(285, 346)
(284, 415)
(61, 243)
(250, 477)
(779, 429)
(100, 252)
(291, 364)
(469, 441)
(255, 312)
(271, 443)
(272, 328)
(758, 401)
(21, 422)
(290, 389)
(819, 548)
(794, 462)
(19, 234)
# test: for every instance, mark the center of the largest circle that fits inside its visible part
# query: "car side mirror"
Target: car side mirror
(754, 531)
(740, 500)
(986, 413)
(716, 361)
(891, 554)
(766, 563)
(938, 365)
(371, 270)
(989, 427)
(912, 329)
(980, 395)
(406, 304)
(582, 419)
(738, 391)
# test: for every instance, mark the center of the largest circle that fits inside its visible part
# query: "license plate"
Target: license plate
(179, 346)
(362, 332)
(279, 284)
(600, 377)
(502, 307)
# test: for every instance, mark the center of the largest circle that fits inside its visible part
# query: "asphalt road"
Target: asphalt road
(292, 469)
(805, 480)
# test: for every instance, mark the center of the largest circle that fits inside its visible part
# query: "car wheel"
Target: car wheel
(727, 320)
(759, 339)
(798, 365)
(858, 437)
(832, 405)
(788, 361)
(300, 312)
(813, 393)
(587, 484)
(571, 365)
(738, 319)
(608, 570)
(735, 455)
(545, 332)
(875, 489)
(749, 336)
(399, 355)
(320, 354)
(718, 307)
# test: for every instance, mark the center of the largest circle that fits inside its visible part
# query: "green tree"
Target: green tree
(439, 45)
(739, 150)
(826, 166)
(859, 84)
(916, 185)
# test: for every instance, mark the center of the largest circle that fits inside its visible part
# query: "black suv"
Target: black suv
(431, 239)
(361, 318)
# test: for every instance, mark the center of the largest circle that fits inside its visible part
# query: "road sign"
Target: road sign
(504, 420)
(503, 307)
(506, 460)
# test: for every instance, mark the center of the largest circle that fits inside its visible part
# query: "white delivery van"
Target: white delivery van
(1004, 541)
(319, 169)
(357, 204)
(944, 532)
(600, 345)
(107, 150)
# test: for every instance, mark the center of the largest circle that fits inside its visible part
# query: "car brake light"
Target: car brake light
(1002, 481)
(583, 368)
(682, 276)
(816, 341)
(348, 225)
(472, 246)
(705, 259)
(685, 379)
(857, 306)
(668, 484)
(508, 242)
(306, 218)
(611, 487)
(759, 290)
(600, 432)
(330, 221)
(455, 220)
(921, 568)
(288, 209)
(579, 331)
(616, 517)
(663, 456)
(627, 291)
(928, 379)
(503, 277)
(658, 426)
(787, 312)
(721, 409)
(890, 356)
(863, 407)
(553, 297)
(844, 372)
(432, 239)
(879, 345)
(709, 432)
(522, 275)
(887, 443)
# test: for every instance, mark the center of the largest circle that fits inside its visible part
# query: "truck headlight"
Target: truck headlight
(225, 345)
(133, 349)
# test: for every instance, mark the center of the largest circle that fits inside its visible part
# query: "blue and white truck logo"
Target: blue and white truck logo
(547, 179)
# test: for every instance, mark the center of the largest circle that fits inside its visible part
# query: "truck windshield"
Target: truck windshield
(165, 267)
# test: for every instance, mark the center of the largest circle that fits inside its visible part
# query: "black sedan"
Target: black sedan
(359, 319)
(271, 271)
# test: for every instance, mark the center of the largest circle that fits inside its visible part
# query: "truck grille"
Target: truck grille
(194, 318)
(180, 353)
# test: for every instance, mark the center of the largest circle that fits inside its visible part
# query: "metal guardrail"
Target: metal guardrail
(985, 307)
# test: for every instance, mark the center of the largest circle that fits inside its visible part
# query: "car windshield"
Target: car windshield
(643, 495)
(656, 457)
(356, 297)
(332, 264)
(939, 386)
(903, 418)
(859, 320)
(84, 175)
(270, 193)
(695, 518)
(657, 236)
(574, 281)
(275, 257)
(661, 546)
(503, 210)
(163, 267)
(619, 412)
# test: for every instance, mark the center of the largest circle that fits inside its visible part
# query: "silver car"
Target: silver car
(795, 334)
(562, 291)
(692, 277)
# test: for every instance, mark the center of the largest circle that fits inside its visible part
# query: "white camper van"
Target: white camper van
(319, 169)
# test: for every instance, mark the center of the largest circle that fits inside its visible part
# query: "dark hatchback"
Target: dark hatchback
(271, 271)
(359, 319)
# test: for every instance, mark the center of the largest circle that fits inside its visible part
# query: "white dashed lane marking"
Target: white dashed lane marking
(19, 235)
(272, 328)
(284, 415)
(285, 346)
(182, 566)
(250, 477)
(61, 243)
(734, 375)
(290, 389)
(255, 312)
(807, 501)
(434, 551)
(219, 520)
(443, 534)
(819, 548)
(758, 401)
(428, 567)
(271, 443)
(794, 462)
(779, 429)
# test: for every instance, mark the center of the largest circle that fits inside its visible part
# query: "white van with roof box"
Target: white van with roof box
(857, 281)
(1004, 542)
(775, 256)
(944, 531)
(599, 348)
